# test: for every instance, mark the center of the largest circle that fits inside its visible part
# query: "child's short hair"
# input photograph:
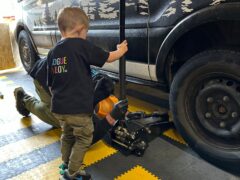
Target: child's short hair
(70, 17)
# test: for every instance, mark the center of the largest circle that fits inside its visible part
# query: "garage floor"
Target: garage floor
(30, 149)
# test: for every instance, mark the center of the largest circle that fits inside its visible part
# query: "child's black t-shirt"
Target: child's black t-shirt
(69, 75)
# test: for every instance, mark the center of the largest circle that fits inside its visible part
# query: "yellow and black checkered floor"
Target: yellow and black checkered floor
(30, 149)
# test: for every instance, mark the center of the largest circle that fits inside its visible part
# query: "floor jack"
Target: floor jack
(137, 129)
(133, 134)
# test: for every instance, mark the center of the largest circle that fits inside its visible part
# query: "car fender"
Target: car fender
(226, 11)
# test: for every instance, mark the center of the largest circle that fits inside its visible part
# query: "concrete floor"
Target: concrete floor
(30, 149)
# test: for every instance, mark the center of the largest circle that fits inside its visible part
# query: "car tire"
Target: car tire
(27, 52)
(205, 102)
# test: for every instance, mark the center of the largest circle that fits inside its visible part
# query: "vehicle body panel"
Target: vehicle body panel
(148, 23)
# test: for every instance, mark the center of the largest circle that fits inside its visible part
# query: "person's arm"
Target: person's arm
(121, 50)
(102, 126)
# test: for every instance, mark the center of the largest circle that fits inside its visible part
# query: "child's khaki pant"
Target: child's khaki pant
(77, 134)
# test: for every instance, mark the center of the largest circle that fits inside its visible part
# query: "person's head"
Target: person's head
(73, 22)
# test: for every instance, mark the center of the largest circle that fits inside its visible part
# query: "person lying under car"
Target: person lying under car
(104, 117)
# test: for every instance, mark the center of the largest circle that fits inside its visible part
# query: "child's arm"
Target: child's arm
(121, 50)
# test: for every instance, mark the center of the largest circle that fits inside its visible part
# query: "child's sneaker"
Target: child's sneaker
(19, 94)
(79, 175)
(62, 168)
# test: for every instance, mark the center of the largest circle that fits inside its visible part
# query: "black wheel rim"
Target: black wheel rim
(213, 109)
(25, 54)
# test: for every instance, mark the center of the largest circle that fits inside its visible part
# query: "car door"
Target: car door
(104, 31)
(40, 18)
(136, 35)
(160, 14)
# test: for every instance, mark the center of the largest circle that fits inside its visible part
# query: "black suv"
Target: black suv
(189, 48)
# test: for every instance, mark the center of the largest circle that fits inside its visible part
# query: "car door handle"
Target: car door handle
(19, 1)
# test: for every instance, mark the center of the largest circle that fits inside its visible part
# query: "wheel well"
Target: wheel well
(18, 30)
(214, 35)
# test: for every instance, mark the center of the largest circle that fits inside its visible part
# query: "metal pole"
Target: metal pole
(122, 62)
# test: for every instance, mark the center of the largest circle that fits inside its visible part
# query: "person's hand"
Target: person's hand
(110, 120)
(123, 47)
(121, 50)
(119, 110)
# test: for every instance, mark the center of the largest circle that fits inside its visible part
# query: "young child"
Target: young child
(70, 82)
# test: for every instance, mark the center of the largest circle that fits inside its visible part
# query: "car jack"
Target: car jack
(137, 129)
(133, 134)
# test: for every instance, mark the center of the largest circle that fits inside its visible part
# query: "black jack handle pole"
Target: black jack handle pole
(122, 62)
